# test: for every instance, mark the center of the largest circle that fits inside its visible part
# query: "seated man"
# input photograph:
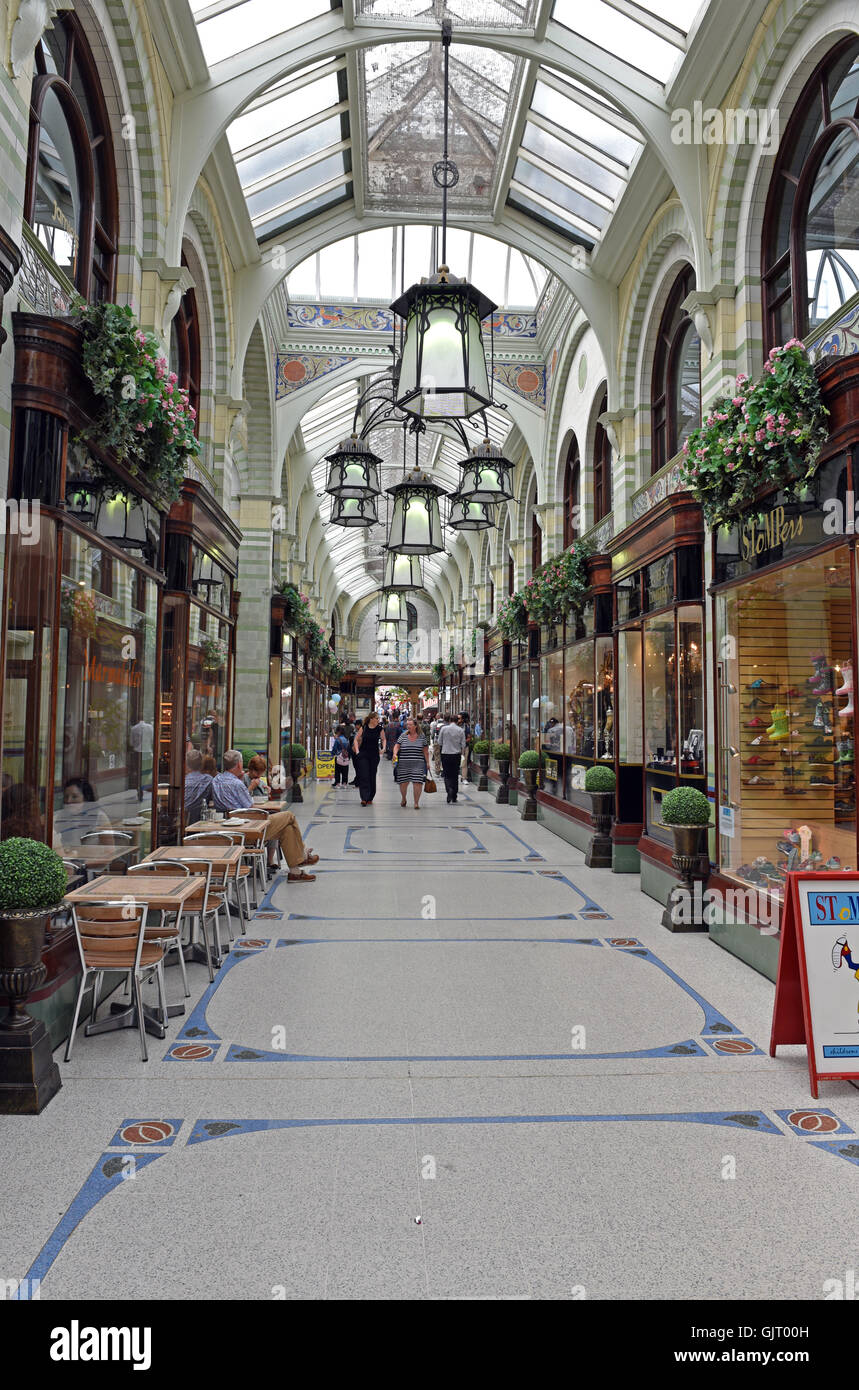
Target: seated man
(198, 787)
(231, 794)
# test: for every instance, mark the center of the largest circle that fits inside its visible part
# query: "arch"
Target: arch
(258, 392)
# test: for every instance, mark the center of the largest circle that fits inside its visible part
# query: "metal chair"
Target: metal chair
(214, 898)
(168, 936)
(107, 837)
(240, 875)
(256, 854)
(111, 936)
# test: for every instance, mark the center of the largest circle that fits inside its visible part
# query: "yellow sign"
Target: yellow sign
(550, 770)
(324, 766)
(768, 531)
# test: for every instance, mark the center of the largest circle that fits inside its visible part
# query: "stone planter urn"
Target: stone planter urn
(686, 813)
(29, 1076)
(502, 796)
(528, 808)
(297, 774)
(599, 852)
(483, 764)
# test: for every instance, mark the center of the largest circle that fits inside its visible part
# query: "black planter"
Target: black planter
(528, 808)
(502, 796)
(29, 1076)
(297, 771)
(599, 852)
(684, 911)
(483, 764)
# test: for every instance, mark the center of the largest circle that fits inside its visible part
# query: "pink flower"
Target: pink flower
(731, 466)
(172, 378)
(738, 400)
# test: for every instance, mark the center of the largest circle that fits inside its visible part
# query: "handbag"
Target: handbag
(430, 786)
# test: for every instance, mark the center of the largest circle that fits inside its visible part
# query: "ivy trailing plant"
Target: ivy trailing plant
(559, 586)
(78, 612)
(513, 618)
(765, 435)
(438, 672)
(316, 640)
(215, 653)
(296, 610)
(146, 417)
(336, 669)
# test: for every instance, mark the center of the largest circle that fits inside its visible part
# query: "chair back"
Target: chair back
(110, 931)
(250, 813)
(160, 866)
(204, 868)
(107, 837)
(216, 837)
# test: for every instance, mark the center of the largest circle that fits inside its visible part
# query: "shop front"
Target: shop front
(80, 643)
(198, 653)
(657, 569)
(785, 651)
(300, 691)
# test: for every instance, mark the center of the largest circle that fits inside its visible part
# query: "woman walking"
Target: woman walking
(413, 765)
(368, 740)
(340, 749)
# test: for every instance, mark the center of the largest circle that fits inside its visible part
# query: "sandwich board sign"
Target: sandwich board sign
(817, 988)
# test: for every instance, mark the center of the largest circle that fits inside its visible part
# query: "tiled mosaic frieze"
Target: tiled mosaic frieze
(656, 491)
(298, 369)
(528, 381)
(842, 340)
(362, 318)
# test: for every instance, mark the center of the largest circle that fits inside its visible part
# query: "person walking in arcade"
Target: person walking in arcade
(369, 740)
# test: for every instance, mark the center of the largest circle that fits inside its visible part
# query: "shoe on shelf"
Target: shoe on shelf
(833, 862)
(793, 836)
(821, 782)
(778, 729)
(846, 686)
(756, 723)
(756, 741)
(760, 684)
(793, 694)
(758, 761)
(758, 704)
(758, 781)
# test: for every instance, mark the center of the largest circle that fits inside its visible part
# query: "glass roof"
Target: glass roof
(402, 101)
(484, 14)
(227, 27)
(648, 34)
(375, 265)
(574, 158)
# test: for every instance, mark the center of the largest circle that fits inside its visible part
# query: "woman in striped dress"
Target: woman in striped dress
(412, 755)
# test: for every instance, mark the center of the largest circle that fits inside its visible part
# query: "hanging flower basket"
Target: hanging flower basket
(513, 618)
(78, 611)
(559, 587)
(768, 435)
(215, 653)
(296, 614)
(146, 418)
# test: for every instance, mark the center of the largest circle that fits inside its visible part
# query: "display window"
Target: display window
(673, 706)
(555, 733)
(786, 710)
(207, 692)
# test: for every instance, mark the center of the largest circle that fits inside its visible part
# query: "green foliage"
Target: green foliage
(32, 876)
(501, 751)
(297, 609)
(438, 672)
(513, 618)
(685, 806)
(146, 418)
(766, 435)
(600, 779)
(215, 653)
(297, 752)
(559, 586)
(482, 745)
(531, 758)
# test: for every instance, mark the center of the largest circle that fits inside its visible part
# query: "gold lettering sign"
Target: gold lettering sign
(762, 533)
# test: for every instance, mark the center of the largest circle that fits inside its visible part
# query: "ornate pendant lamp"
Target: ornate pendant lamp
(467, 515)
(392, 608)
(402, 572)
(354, 511)
(415, 518)
(353, 470)
(442, 372)
(388, 632)
(487, 476)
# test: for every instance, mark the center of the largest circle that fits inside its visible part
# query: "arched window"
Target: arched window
(675, 392)
(810, 251)
(70, 198)
(536, 543)
(511, 575)
(602, 467)
(411, 618)
(572, 493)
(185, 348)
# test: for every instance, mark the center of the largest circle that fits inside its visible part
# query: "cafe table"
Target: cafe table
(95, 856)
(162, 892)
(253, 830)
(229, 855)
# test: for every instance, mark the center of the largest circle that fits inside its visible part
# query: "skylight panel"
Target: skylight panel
(283, 113)
(615, 32)
(571, 116)
(547, 186)
(277, 158)
(337, 269)
(488, 14)
(339, 192)
(284, 193)
(571, 161)
(228, 27)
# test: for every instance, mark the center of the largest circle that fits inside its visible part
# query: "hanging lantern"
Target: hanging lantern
(487, 475)
(388, 632)
(443, 373)
(354, 511)
(415, 517)
(353, 470)
(467, 515)
(402, 572)
(392, 606)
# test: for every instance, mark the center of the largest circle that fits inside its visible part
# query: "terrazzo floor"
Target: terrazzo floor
(458, 1065)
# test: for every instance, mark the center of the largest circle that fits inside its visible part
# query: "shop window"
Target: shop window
(628, 714)
(185, 348)
(70, 198)
(810, 251)
(787, 785)
(536, 543)
(572, 489)
(675, 407)
(602, 467)
(511, 575)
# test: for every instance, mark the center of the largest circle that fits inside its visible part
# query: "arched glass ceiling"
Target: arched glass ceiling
(373, 266)
(487, 14)
(230, 26)
(650, 35)
(358, 555)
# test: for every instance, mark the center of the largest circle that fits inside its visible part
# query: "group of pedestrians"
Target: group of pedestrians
(407, 744)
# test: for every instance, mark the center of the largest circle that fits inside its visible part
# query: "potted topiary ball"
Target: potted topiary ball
(530, 763)
(501, 754)
(297, 754)
(33, 883)
(600, 782)
(481, 748)
(687, 812)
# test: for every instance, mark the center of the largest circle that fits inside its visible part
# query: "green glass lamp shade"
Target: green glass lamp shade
(415, 517)
(442, 371)
(353, 470)
(354, 511)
